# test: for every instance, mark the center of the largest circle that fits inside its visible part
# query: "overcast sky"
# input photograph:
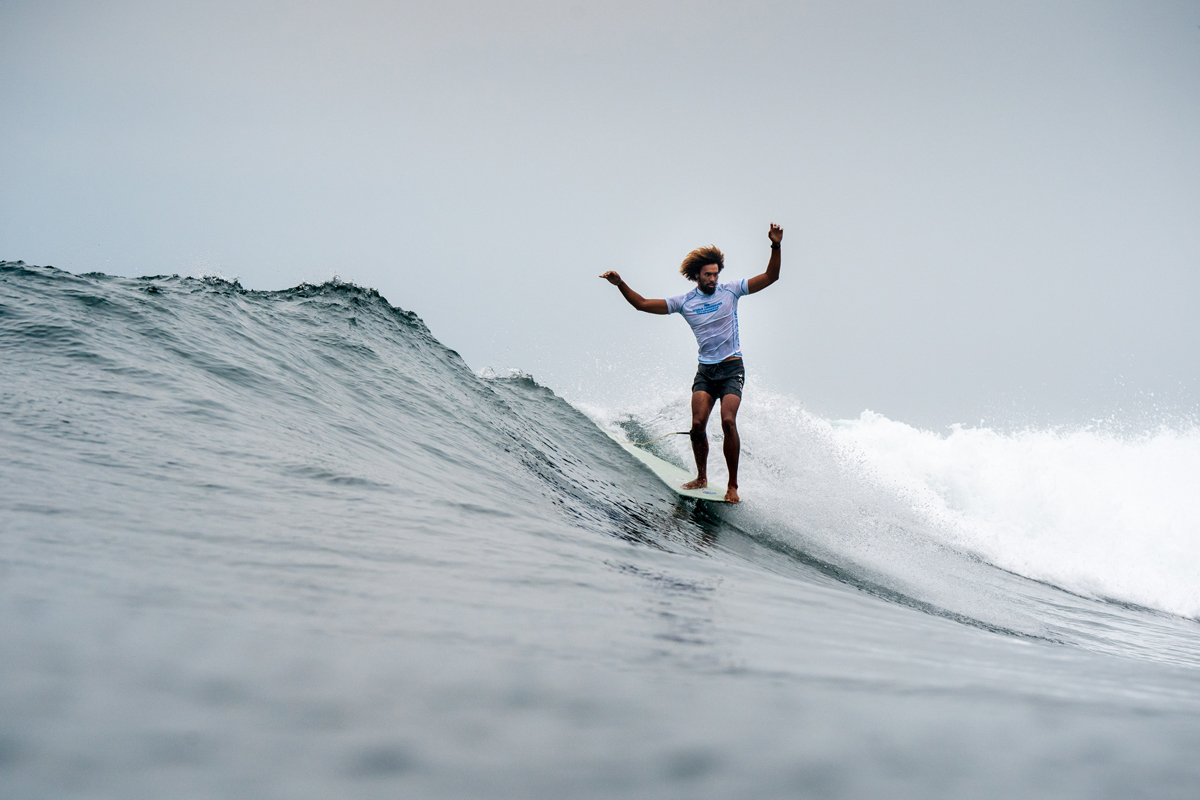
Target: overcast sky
(989, 208)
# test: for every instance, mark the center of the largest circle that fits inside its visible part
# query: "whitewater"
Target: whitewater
(287, 544)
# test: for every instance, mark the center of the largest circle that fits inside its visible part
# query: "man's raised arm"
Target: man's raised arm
(760, 282)
(635, 299)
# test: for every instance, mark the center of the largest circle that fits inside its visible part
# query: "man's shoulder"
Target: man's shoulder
(676, 302)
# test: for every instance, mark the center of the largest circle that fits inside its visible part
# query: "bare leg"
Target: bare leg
(733, 443)
(702, 406)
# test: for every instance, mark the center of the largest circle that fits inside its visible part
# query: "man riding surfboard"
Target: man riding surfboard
(711, 310)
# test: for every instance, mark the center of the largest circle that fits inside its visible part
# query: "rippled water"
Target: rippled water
(286, 544)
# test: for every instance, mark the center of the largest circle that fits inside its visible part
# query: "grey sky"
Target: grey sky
(990, 208)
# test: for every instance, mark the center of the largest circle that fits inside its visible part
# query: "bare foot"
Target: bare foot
(731, 495)
(699, 483)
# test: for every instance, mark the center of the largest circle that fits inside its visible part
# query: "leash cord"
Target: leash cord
(665, 435)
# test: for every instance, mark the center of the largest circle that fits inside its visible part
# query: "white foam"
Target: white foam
(1104, 515)
(1109, 516)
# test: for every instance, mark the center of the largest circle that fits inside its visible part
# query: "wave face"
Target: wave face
(287, 543)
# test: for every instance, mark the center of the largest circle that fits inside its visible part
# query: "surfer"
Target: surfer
(711, 310)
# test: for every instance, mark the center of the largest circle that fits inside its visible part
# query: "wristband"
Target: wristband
(775, 245)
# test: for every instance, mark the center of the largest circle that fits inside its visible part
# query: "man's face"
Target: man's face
(708, 278)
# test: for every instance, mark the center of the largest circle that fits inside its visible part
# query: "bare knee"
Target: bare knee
(728, 425)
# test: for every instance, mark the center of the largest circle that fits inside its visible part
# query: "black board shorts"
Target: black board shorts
(720, 379)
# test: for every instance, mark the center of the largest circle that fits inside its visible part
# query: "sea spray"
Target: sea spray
(1113, 516)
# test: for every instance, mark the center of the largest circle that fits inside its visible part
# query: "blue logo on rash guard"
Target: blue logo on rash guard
(713, 318)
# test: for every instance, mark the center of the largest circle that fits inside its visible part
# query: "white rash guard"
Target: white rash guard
(713, 318)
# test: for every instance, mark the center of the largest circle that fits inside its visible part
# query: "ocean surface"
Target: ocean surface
(287, 545)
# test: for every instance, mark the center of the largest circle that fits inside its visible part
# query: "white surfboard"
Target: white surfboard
(670, 474)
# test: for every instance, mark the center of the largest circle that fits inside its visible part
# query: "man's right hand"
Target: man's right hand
(635, 299)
